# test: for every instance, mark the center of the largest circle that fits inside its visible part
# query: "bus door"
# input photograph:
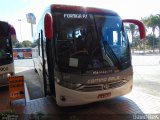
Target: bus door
(50, 52)
(43, 62)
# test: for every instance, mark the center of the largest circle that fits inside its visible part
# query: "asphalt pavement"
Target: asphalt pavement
(146, 73)
(25, 67)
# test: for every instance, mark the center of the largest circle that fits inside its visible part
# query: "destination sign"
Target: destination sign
(77, 16)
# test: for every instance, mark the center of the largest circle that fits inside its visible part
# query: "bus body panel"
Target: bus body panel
(73, 97)
(69, 8)
(4, 71)
(7, 69)
(112, 85)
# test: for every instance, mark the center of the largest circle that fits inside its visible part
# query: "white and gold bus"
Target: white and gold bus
(83, 54)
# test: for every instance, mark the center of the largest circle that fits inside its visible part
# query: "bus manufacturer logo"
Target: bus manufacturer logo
(3, 68)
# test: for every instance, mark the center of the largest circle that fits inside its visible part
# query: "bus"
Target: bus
(83, 54)
(7, 35)
(22, 53)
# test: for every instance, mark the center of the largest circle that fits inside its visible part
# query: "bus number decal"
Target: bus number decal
(3, 68)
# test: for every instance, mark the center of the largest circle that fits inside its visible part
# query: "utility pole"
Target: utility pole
(20, 28)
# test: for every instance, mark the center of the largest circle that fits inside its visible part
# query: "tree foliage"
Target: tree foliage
(151, 42)
(25, 43)
(153, 22)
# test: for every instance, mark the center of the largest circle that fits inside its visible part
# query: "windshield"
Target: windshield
(88, 41)
(114, 41)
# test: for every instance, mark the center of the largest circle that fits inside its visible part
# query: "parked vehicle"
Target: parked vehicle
(7, 35)
(83, 54)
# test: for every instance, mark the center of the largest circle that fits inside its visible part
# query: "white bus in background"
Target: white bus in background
(83, 54)
(7, 35)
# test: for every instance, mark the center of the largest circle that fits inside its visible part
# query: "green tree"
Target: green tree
(158, 28)
(18, 45)
(149, 41)
(151, 22)
(132, 29)
(27, 43)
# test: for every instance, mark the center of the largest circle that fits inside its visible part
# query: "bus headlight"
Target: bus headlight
(57, 79)
(64, 80)
(70, 85)
(8, 75)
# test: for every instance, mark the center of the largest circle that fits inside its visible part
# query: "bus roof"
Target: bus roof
(3, 28)
(58, 7)
(6, 29)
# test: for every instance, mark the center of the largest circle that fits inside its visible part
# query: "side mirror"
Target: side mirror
(140, 25)
(48, 29)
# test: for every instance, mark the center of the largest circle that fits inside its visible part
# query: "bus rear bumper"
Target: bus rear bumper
(68, 97)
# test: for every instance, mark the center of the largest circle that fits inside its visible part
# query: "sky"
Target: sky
(14, 11)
